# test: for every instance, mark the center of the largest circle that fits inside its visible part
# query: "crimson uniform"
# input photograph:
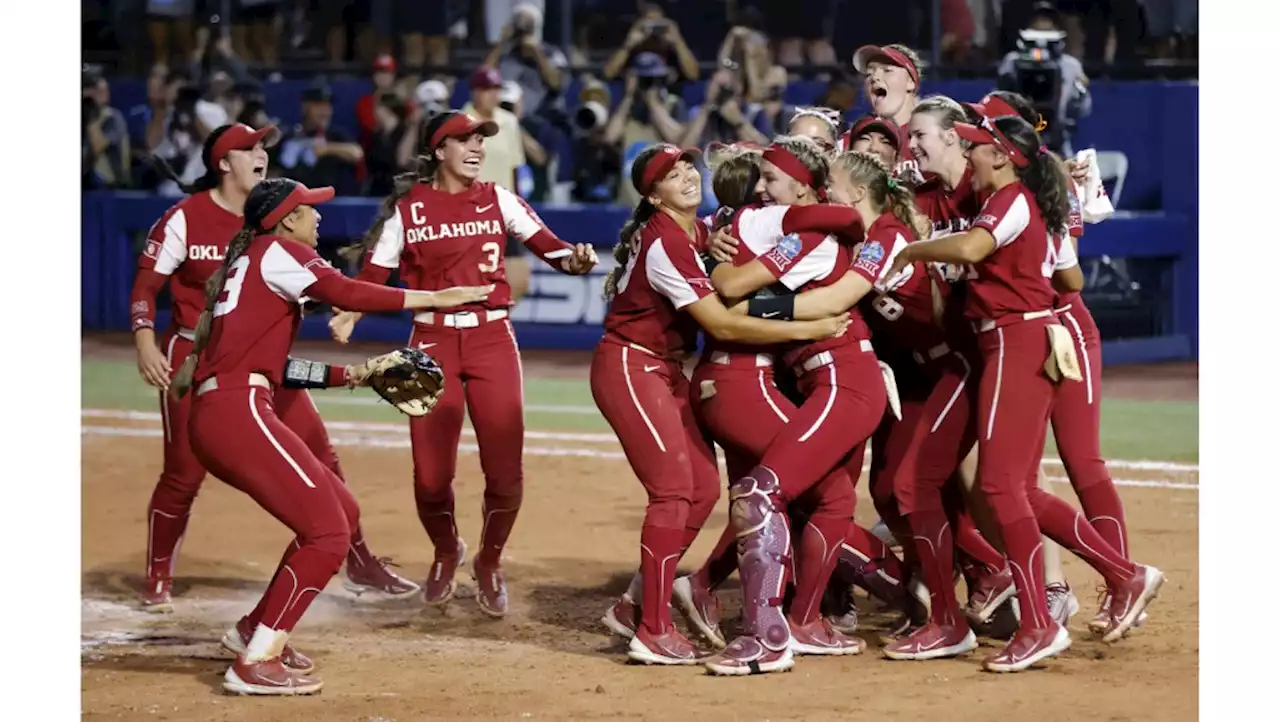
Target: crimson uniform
(640, 388)
(185, 247)
(236, 432)
(439, 240)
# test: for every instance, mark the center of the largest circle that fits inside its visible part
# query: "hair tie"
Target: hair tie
(893, 184)
(1041, 124)
(1043, 151)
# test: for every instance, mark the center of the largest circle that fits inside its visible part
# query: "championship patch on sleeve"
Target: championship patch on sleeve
(870, 257)
(986, 219)
(789, 247)
(153, 250)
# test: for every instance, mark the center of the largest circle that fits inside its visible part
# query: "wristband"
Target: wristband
(304, 374)
(778, 308)
(709, 262)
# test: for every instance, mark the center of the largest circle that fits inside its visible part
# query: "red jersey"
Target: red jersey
(187, 244)
(1014, 279)
(662, 276)
(951, 211)
(439, 240)
(901, 319)
(258, 313)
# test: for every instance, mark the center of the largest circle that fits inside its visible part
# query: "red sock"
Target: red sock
(358, 554)
(722, 561)
(437, 519)
(659, 553)
(256, 615)
(164, 537)
(815, 559)
(931, 534)
(1026, 557)
(499, 518)
(868, 545)
(1105, 511)
(975, 546)
(1065, 525)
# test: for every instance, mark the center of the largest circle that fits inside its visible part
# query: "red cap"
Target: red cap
(867, 53)
(987, 133)
(661, 164)
(869, 123)
(241, 137)
(299, 196)
(460, 125)
(384, 64)
(485, 78)
(992, 106)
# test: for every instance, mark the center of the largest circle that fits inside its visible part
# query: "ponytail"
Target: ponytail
(1046, 177)
(902, 204)
(628, 241)
(423, 172)
(212, 290)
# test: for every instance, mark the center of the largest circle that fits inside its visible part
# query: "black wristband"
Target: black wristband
(303, 374)
(709, 262)
(777, 308)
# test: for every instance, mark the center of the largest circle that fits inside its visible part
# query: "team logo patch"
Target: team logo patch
(316, 263)
(789, 247)
(872, 252)
(153, 250)
(985, 219)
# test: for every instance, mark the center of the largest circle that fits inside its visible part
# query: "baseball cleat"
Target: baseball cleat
(236, 641)
(440, 586)
(1098, 625)
(268, 677)
(1063, 604)
(1027, 647)
(377, 579)
(157, 596)
(991, 590)
(1130, 600)
(818, 637)
(700, 607)
(623, 617)
(747, 655)
(491, 590)
(670, 647)
(839, 608)
(933, 641)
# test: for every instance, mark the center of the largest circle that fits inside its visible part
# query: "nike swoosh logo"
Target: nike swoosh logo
(647, 369)
(770, 314)
(425, 346)
(482, 209)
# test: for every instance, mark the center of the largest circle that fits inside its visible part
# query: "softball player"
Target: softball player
(1010, 304)
(660, 295)
(443, 228)
(253, 307)
(184, 248)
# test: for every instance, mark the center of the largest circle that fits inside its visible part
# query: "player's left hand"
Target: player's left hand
(723, 245)
(1078, 171)
(583, 259)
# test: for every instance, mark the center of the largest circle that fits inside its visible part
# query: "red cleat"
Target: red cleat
(268, 677)
(236, 641)
(377, 579)
(933, 641)
(818, 637)
(670, 647)
(622, 618)
(157, 596)
(440, 585)
(1027, 647)
(491, 590)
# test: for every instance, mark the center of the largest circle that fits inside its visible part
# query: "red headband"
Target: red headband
(986, 133)
(787, 162)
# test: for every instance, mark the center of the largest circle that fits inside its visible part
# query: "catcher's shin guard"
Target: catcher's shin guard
(764, 546)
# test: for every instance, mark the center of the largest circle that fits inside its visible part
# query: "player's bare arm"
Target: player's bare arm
(961, 248)
(712, 315)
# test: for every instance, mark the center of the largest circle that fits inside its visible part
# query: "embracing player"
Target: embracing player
(184, 248)
(440, 228)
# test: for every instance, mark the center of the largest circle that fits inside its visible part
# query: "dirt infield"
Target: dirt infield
(572, 553)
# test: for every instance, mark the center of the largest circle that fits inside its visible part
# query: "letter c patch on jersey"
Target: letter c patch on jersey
(153, 250)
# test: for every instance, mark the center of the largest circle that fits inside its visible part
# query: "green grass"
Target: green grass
(1159, 430)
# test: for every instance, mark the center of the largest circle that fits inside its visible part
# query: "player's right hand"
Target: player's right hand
(342, 324)
(154, 367)
(831, 327)
(723, 245)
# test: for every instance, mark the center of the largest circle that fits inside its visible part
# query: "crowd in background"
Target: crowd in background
(206, 60)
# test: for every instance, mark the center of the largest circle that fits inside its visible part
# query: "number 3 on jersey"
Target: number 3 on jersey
(231, 288)
(491, 251)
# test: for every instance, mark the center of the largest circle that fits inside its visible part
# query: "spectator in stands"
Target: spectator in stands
(723, 116)
(384, 81)
(180, 120)
(654, 33)
(649, 113)
(255, 31)
(1073, 102)
(597, 164)
(958, 30)
(346, 27)
(504, 152)
(422, 27)
(532, 177)
(1173, 26)
(170, 30)
(749, 50)
(803, 30)
(316, 153)
(388, 152)
(540, 68)
(104, 137)
(772, 114)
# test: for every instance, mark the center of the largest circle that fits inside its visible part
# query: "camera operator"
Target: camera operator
(649, 113)
(597, 164)
(655, 33)
(538, 67)
(180, 121)
(104, 137)
(723, 115)
(1054, 81)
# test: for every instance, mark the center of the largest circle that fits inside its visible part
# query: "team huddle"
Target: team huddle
(909, 288)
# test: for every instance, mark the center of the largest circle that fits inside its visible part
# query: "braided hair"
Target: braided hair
(211, 178)
(629, 236)
(886, 192)
(264, 198)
